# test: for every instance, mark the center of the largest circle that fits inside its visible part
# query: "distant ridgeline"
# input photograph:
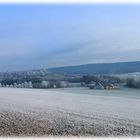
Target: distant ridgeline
(103, 68)
(91, 75)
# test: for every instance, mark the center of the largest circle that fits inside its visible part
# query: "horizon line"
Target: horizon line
(6, 71)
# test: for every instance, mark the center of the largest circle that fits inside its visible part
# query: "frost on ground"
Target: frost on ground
(34, 112)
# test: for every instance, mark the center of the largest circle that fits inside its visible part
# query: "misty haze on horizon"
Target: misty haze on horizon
(44, 36)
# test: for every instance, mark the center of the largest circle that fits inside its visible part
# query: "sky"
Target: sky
(38, 36)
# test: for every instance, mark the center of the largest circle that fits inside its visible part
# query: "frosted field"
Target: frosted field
(69, 112)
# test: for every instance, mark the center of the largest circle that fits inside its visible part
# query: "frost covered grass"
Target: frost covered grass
(34, 112)
(24, 124)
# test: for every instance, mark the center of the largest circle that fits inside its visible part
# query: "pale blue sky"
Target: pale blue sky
(42, 36)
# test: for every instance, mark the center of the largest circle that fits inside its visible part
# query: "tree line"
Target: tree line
(44, 79)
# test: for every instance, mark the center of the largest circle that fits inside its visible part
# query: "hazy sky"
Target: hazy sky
(42, 36)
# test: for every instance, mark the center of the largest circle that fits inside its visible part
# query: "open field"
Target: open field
(69, 112)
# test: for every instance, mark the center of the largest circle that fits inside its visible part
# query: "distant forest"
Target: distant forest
(44, 79)
(92, 75)
(104, 68)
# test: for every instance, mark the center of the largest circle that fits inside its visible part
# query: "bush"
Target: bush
(133, 83)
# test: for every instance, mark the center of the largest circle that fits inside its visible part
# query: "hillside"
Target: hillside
(102, 68)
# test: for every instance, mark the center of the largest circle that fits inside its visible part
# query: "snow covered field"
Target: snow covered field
(73, 111)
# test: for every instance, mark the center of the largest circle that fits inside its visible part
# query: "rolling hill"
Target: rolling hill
(100, 68)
